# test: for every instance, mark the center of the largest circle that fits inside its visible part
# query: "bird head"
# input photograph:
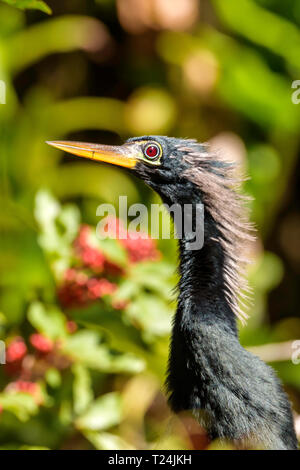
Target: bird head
(159, 161)
(184, 171)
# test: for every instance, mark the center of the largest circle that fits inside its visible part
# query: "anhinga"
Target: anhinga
(232, 393)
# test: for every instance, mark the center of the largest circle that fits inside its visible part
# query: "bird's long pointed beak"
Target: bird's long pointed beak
(125, 155)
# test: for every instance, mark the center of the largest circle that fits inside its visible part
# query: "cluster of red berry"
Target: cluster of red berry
(89, 256)
(78, 289)
(24, 386)
(16, 358)
(89, 279)
(139, 246)
(41, 344)
(92, 277)
(27, 367)
(140, 249)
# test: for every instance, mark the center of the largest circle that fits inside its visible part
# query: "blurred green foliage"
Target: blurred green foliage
(218, 71)
(25, 4)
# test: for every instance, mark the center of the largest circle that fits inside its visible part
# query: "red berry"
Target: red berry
(82, 238)
(81, 290)
(23, 386)
(90, 256)
(99, 287)
(141, 249)
(70, 274)
(16, 350)
(115, 228)
(106, 287)
(41, 343)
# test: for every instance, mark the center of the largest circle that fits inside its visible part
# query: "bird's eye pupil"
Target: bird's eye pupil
(152, 151)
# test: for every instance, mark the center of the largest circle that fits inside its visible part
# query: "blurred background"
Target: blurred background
(86, 350)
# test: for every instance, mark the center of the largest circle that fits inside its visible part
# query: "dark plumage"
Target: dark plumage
(232, 393)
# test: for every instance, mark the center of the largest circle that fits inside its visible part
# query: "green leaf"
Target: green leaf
(288, 373)
(22, 405)
(126, 290)
(267, 273)
(53, 377)
(58, 229)
(113, 250)
(65, 413)
(69, 181)
(59, 225)
(152, 314)
(103, 413)
(84, 348)
(69, 219)
(124, 337)
(262, 26)
(126, 362)
(50, 322)
(107, 441)
(46, 209)
(82, 388)
(60, 35)
(157, 277)
(30, 4)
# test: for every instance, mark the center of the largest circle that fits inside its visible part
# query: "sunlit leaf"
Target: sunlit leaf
(47, 208)
(268, 272)
(29, 4)
(157, 277)
(53, 377)
(85, 347)
(263, 27)
(82, 388)
(22, 405)
(61, 34)
(151, 314)
(103, 413)
(113, 250)
(127, 290)
(107, 441)
(49, 321)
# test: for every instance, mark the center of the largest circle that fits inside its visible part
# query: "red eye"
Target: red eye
(152, 151)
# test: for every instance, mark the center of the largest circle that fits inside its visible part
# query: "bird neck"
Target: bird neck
(203, 267)
(205, 322)
(202, 288)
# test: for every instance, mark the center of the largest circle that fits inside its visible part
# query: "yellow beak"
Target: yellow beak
(126, 155)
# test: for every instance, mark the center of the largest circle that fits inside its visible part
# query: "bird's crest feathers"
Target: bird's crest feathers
(220, 188)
